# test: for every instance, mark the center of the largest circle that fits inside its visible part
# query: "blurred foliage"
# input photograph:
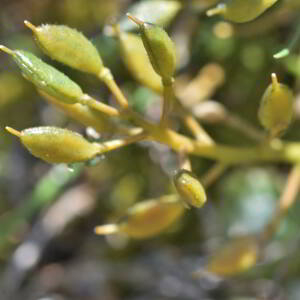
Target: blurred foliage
(47, 246)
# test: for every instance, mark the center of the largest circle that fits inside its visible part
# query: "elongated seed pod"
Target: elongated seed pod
(67, 46)
(276, 107)
(147, 218)
(160, 12)
(56, 145)
(160, 48)
(135, 57)
(234, 257)
(241, 11)
(45, 77)
(189, 188)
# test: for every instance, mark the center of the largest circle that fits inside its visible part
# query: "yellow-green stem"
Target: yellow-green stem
(118, 143)
(99, 106)
(213, 174)
(169, 96)
(109, 81)
(244, 127)
(286, 200)
(196, 129)
(191, 123)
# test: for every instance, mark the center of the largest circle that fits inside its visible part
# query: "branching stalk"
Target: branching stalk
(169, 96)
(118, 143)
(107, 77)
(196, 129)
(213, 174)
(99, 106)
(286, 200)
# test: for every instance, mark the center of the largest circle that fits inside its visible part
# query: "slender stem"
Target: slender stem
(213, 174)
(107, 77)
(191, 123)
(245, 127)
(99, 106)
(90, 117)
(286, 200)
(118, 143)
(169, 96)
(196, 129)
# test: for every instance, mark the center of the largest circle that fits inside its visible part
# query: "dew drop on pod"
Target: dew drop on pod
(146, 219)
(45, 77)
(160, 48)
(67, 46)
(241, 11)
(189, 188)
(276, 107)
(56, 145)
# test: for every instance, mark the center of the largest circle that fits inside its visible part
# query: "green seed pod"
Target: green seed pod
(234, 257)
(189, 188)
(68, 46)
(56, 145)
(147, 218)
(241, 11)
(160, 48)
(45, 77)
(135, 57)
(276, 107)
(160, 12)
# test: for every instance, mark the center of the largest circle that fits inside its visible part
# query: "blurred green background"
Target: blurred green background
(47, 213)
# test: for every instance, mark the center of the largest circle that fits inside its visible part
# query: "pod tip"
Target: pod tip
(220, 9)
(6, 50)
(29, 25)
(106, 229)
(275, 82)
(135, 19)
(13, 131)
